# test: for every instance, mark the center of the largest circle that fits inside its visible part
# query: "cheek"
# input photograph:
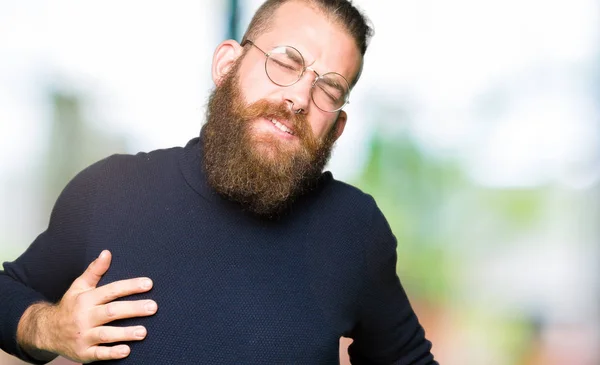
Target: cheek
(321, 127)
(254, 84)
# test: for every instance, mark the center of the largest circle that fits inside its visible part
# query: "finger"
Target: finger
(108, 353)
(118, 289)
(106, 334)
(113, 311)
(92, 275)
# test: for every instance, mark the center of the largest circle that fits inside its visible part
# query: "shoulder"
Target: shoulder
(343, 197)
(129, 169)
(119, 173)
(350, 201)
(129, 165)
(348, 209)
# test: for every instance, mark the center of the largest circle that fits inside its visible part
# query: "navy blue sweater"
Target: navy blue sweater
(231, 288)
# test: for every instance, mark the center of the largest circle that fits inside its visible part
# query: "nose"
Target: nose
(297, 96)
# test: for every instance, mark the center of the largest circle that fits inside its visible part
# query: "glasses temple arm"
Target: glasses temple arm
(246, 41)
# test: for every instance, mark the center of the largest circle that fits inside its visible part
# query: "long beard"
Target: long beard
(262, 172)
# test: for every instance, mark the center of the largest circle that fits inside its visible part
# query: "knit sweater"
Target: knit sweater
(231, 288)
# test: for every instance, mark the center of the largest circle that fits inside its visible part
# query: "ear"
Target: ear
(340, 124)
(224, 57)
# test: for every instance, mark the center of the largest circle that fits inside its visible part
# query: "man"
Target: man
(252, 254)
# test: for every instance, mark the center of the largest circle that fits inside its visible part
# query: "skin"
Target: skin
(326, 47)
(78, 326)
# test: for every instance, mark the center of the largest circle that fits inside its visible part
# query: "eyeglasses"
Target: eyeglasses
(285, 67)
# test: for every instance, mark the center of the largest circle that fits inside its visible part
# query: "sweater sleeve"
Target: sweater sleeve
(388, 331)
(47, 268)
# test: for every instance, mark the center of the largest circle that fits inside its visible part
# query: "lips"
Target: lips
(281, 126)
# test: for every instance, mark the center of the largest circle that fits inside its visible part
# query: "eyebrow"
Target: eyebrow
(298, 58)
(295, 57)
(334, 84)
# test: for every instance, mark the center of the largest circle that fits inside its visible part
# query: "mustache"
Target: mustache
(280, 111)
(266, 109)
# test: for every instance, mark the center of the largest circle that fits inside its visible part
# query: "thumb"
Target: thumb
(92, 275)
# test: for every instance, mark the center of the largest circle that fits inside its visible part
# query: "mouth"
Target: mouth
(282, 126)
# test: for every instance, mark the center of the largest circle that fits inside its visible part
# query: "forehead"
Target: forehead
(325, 45)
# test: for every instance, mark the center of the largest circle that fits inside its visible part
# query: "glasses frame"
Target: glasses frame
(304, 68)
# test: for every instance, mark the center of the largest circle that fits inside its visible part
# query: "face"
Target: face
(326, 47)
(249, 158)
(236, 163)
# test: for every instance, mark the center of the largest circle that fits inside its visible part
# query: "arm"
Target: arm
(14, 301)
(47, 309)
(388, 331)
(31, 324)
(75, 327)
(44, 272)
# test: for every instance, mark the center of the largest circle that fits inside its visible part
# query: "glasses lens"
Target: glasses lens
(284, 65)
(330, 92)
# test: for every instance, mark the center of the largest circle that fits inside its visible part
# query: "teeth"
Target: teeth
(281, 126)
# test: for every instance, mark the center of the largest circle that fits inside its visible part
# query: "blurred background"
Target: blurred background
(476, 126)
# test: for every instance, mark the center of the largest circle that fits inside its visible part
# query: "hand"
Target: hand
(75, 327)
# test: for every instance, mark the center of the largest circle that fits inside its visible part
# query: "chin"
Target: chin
(268, 145)
(266, 150)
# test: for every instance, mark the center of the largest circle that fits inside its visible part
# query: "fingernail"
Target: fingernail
(151, 306)
(125, 351)
(146, 284)
(140, 332)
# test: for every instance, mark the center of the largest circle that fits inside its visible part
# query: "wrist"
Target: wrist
(33, 331)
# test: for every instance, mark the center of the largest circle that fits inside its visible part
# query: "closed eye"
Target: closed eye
(284, 65)
(329, 95)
